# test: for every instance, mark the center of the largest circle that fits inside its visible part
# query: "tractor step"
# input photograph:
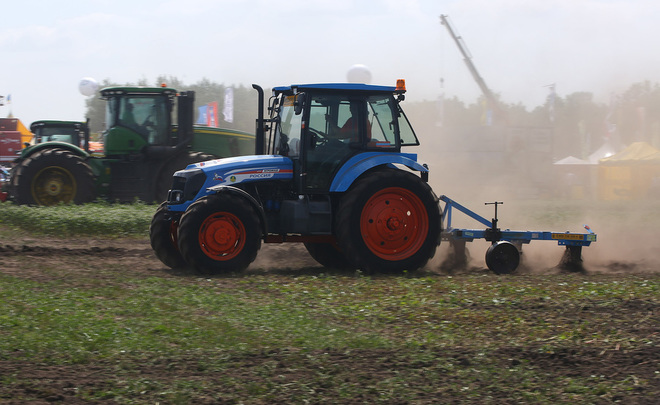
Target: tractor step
(305, 216)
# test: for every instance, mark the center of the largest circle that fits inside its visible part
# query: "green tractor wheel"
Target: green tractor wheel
(53, 176)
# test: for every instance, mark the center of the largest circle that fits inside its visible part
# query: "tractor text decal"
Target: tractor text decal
(237, 176)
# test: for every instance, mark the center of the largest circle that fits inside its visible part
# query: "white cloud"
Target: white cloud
(518, 46)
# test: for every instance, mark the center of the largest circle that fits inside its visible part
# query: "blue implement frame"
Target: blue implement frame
(515, 237)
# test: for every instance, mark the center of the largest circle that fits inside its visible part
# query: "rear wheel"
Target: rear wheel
(219, 234)
(163, 235)
(53, 176)
(388, 222)
(329, 255)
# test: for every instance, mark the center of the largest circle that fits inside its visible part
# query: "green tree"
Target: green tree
(636, 113)
(96, 110)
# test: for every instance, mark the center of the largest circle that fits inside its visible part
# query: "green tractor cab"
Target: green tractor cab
(70, 132)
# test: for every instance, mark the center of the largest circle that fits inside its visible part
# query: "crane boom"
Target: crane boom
(467, 57)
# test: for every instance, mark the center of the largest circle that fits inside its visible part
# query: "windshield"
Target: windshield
(60, 134)
(408, 137)
(387, 119)
(146, 115)
(286, 141)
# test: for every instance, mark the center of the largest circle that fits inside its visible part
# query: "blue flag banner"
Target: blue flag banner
(203, 115)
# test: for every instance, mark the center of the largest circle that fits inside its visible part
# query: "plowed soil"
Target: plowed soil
(59, 384)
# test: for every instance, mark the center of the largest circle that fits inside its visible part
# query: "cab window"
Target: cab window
(68, 135)
(383, 122)
(287, 132)
(147, 116)
(336, 128)
(408, 137)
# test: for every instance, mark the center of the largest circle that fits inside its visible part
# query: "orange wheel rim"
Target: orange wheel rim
(394, 223)
(222, 236)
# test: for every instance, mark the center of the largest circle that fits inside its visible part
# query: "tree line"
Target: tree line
(579, 124)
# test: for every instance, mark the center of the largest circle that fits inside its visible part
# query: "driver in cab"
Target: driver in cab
(350, 129)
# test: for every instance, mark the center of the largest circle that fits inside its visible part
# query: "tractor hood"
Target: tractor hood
(204, 178)
(242, 169)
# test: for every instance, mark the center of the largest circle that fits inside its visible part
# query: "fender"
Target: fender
(362, 162)
(243, 194)
(31, 150)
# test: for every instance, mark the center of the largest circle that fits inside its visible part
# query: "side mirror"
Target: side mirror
(299, 103)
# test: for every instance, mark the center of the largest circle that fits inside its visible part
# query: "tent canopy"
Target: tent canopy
(638, 152)
(571, 160)
(606, 150)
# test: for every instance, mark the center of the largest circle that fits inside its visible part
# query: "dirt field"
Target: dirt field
(48, 384)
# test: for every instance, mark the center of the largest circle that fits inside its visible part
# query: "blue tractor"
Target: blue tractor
(332, 177)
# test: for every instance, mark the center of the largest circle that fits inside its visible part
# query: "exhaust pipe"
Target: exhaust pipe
(259, 133)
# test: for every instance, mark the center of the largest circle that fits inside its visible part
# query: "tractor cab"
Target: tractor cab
(322, 126)
(71, 132)
(138, 117)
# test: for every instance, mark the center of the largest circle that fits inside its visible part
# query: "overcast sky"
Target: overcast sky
(518, 46)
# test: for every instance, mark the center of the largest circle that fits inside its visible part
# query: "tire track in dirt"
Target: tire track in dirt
(109, 251)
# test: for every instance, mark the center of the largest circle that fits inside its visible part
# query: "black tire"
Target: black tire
(388, 222)
(502, 257)
(328, 255)
(180, 162)
(53, 176)
(220, 234)
(163, 234)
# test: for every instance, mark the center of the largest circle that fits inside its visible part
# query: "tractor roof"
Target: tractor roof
(348, 87)
(55, 123)
(136, 90)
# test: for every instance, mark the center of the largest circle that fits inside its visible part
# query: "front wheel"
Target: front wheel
(219, 234)
(388, 222)
(163, 235)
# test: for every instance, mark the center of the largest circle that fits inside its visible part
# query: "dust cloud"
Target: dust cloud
(532, 201)
(478, 167)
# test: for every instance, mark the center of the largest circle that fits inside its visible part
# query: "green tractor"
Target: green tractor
(141, 150)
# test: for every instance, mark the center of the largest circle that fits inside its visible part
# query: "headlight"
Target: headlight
(185, 185)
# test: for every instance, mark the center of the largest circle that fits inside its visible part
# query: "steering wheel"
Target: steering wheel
(326, 139)
(323, 137)
(147, 121)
